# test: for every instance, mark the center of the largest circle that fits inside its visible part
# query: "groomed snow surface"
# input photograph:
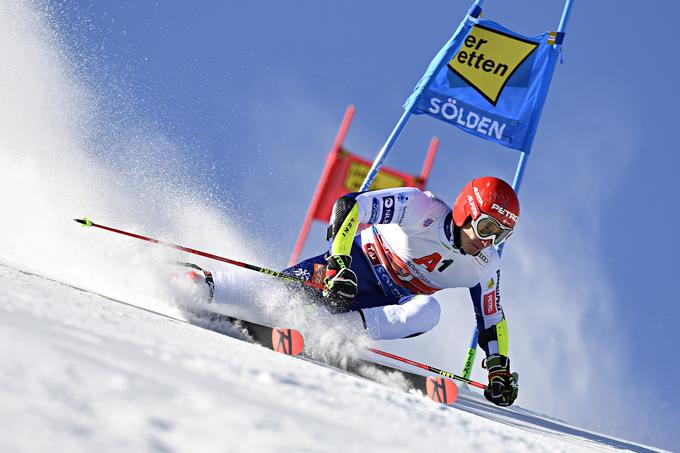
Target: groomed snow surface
(81, 372)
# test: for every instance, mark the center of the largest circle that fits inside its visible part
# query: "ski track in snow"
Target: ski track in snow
(81, 372)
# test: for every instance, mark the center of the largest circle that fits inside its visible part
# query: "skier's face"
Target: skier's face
(469, 241)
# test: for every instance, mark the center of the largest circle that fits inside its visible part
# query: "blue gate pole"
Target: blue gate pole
(519, 174)
(474, 11)
(382, 155)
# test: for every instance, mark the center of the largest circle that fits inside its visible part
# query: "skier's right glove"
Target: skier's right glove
(503, 387)
(340, 284)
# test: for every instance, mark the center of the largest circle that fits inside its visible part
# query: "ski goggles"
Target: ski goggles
(486, 227)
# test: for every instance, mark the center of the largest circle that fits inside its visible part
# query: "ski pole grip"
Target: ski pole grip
(85, 222)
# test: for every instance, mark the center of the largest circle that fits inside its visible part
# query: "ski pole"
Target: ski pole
(88, 223)
(428, 368)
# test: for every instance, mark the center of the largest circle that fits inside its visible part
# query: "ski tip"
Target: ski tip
(84, 222)
(442, 390)
(287, 341)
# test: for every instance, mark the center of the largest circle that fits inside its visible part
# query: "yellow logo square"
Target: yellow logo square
(357, 173)
(488, 58)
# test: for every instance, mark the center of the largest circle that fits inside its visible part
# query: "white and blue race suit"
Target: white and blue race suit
(407, 251)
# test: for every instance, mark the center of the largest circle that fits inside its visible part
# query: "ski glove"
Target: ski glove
(340, 283)
(503, 387)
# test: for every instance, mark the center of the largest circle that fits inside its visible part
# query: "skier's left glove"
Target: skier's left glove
(503, 387)
(340, 283)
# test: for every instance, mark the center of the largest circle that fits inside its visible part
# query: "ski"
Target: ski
(284, 340)
(291, 342)
(439, 389)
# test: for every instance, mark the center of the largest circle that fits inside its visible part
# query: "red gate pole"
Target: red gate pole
(429, 159)
(332, 156)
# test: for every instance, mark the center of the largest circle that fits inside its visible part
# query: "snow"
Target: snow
(81, 372)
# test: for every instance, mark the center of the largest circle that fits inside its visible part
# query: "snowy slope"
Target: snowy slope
(81, 372)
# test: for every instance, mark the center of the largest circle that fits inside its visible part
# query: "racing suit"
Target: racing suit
(408, 250)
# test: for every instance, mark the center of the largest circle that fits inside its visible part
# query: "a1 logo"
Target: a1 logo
(430, 262)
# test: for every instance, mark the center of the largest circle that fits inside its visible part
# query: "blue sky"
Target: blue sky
(245, 97)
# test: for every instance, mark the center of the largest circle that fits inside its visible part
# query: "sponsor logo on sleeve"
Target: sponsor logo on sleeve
(402, 198)
(498, 289)
(427, 222)
(388, 209)
(490, 303)
(375, 208)
(348, 228)
(402, 214)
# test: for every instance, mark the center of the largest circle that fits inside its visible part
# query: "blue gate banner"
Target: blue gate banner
(490, 82)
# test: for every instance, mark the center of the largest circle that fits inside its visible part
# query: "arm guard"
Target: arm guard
(343, 224)
(498, 333)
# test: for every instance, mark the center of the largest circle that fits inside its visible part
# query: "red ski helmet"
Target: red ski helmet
(487, 195)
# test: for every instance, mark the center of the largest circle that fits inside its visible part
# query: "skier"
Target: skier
(381, 281)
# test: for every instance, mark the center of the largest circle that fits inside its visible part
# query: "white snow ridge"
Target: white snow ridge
(82, 372)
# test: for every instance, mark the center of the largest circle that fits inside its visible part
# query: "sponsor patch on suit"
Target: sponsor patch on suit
(490, 303)
(388, 209)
